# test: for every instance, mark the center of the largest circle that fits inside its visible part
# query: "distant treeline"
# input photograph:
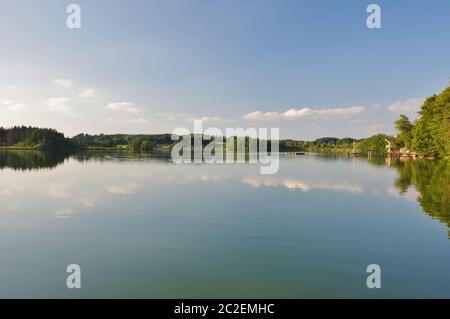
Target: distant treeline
(428, 136)
(152, 142)
(33, 137)
(143, 142)
(163, 142)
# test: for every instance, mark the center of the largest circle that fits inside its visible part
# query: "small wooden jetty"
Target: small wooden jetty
(294, 153)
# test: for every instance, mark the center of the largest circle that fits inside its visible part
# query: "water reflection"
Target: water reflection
(308, 231)
(31, 160)
(302, 185)
(424, 181)
(431, 179)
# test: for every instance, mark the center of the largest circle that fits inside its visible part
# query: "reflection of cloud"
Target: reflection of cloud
(411, 193)
(58, 191)
(13, 206)
(87, 202)
(294, 184)
(63, 213)
(11, 190)
(205, 178)
(195, 177)
(122, 190)
(304, 186)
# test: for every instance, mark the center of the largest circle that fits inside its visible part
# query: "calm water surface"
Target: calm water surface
(142, 227)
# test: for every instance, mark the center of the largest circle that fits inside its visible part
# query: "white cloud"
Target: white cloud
(189, 118)
(57, 105)
(65, 83)
(51, 105)
(133, 121)
(139, 120)
(87, 93)
(333, 112)
(123, 107)
(13, 106)
(17, 106)
(261, 116)
(305, 112)
(297, 113)
(11, 89)
(411, 105)
(205, 119)
(173, 116)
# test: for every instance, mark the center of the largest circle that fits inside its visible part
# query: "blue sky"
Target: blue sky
(311, 68)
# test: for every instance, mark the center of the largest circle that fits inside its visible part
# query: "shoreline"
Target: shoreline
(18, 148)
(167, 154)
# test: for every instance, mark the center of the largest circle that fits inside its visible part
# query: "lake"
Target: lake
(141, 227)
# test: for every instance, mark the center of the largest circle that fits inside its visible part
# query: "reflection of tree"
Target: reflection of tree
(377, 160)
(99, 156)
(431, 179)
(404, 178)
(31, 160)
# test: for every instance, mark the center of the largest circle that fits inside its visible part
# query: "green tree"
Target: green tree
(431, 132)
(376, 144)
(404, 129)
(23, 136)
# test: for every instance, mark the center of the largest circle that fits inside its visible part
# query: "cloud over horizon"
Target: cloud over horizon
(65, 83)
(304, 113)
(87, 93)
(409, 106)
(11, 89)
(81, 108)
(123, 107)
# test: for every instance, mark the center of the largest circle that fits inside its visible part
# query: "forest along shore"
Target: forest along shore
(426, 137)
